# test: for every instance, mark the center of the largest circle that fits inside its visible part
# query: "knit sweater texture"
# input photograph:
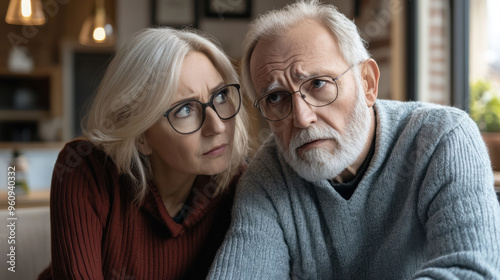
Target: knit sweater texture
(98, 233)
(424, 209)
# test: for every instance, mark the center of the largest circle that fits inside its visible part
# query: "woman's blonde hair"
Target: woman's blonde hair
(138, 85)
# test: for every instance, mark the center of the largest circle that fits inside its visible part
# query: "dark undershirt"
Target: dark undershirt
(180, 217)
(346, 189)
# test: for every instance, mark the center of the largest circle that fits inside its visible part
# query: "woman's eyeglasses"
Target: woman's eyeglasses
(189, 116)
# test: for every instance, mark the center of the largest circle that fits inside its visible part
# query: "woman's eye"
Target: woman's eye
(184, 111)
(221, 97)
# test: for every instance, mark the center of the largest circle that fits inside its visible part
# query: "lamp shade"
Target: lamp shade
(97, 29)
(25, 12)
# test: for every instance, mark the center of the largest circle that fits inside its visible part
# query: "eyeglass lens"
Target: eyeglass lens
(188, 117)
(319, 91)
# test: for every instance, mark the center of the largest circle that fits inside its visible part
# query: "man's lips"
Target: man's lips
(311, 145)
(216, 151)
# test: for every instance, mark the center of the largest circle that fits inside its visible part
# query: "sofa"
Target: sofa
(31, 233)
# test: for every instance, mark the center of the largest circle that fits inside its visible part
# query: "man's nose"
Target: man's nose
(303, 113)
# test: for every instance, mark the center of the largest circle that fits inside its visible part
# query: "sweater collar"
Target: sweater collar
(356, 167)
(199, 202)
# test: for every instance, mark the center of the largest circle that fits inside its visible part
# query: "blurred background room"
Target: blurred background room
(53, 54)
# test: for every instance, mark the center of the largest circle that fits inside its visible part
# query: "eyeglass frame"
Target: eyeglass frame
(257, 101)
(204, 106)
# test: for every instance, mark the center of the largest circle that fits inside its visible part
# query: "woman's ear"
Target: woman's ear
(369, 79)
(143, 145)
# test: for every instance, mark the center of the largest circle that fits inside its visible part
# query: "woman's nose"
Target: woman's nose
(213, 124)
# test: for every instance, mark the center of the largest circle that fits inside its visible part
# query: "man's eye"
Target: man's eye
(221, 97)
(184, 111)
(275, 97)
(318, 83)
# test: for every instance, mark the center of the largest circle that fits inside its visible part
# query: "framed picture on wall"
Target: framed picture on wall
(174, 13)
(228, 8)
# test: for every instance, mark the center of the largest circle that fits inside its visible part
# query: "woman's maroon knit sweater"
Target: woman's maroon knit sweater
(98, 233)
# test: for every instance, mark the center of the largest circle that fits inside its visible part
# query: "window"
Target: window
(484, 56)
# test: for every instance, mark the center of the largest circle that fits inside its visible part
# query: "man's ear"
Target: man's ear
(369, 79)
(143, 145)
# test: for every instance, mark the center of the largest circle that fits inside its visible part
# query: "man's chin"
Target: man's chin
(310, 169)
(314, 174)
(311, 156)
(317, 165)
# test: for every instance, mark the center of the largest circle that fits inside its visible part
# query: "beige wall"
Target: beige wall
(134, 15)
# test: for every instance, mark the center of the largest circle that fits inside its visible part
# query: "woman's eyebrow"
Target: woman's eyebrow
(217, 87)
(196, 96)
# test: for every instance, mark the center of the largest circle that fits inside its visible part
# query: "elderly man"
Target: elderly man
(350, 187)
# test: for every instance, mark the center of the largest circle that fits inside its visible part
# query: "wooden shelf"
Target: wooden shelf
(31, 145)
(23, 115)
(32, 199)
(37, 72)
(29, 102)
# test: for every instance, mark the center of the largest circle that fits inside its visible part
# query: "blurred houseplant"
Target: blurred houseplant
(485, 111)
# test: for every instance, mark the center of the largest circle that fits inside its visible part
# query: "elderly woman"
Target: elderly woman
(147, 194)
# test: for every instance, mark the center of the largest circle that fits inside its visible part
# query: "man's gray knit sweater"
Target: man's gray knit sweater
(424, 209)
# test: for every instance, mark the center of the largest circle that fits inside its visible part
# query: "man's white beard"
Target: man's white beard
(319, 164)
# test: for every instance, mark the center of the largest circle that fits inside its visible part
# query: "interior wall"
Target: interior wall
(134, 15)
(230, 32)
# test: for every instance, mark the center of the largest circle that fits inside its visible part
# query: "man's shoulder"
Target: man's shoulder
(266, 159)
(419, 125)
(267, 151)
(422, 115)
(417, 108)
(268, 170)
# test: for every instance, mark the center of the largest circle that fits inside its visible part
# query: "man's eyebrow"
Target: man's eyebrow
(275, 84)
(304, 76)
(270, 87)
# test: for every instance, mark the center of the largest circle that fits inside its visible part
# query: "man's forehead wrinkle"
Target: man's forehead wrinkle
(275, 60)
(274, 83)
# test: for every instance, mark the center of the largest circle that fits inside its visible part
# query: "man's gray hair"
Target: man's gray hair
(276, 22)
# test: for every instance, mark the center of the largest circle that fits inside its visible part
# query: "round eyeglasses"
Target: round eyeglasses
(188, 117)
(318, 92)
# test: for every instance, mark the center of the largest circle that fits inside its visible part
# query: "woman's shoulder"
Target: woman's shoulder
(80, 159)
(79, 151)
(80, 146)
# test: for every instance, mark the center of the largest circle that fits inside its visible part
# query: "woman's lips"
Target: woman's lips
(217, 151)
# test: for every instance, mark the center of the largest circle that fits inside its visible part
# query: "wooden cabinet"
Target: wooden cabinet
(31, 106)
